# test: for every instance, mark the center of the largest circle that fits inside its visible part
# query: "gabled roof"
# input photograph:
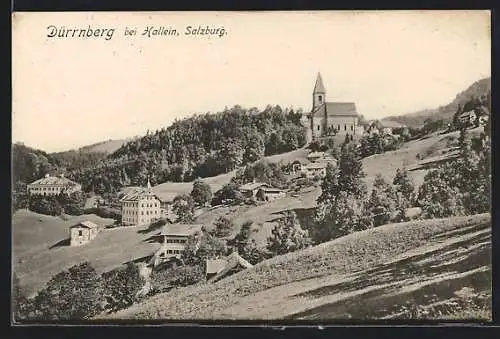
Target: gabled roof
(337, 109)
(50, 181)
(215, 265)
(252, 186)
(232, 261)
(135, 193)
(180, 230)
(316, 155)
(87, 224)
(318, 86)
(391, 124)
(272, 189)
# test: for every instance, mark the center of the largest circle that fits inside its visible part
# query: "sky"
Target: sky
(71, 92)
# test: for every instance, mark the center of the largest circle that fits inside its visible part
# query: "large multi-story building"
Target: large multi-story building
(50, 185)
(140, 206)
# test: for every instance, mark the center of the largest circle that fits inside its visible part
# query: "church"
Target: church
(329, 118)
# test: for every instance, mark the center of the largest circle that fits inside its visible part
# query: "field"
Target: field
(434, 269)
(40, 247)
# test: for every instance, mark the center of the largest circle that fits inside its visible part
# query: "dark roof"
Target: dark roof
(252, 186)
(319, 87)
(337, 109)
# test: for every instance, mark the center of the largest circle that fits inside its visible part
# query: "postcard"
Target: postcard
(322, 166)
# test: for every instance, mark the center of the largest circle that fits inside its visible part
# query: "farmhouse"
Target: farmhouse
(329, 117)
(220, 268)
(468, 118)
(315, 169)
(83, 233)
(386, 127)
(140, 206)
(174, 238)
(53, 186)
(297, 165)
(270, 193)
(250, 190)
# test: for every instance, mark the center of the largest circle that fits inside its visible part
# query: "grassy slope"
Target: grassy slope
(356, 276)
(40, 251)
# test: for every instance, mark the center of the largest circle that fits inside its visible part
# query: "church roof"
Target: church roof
(337, 109)
(319, 87)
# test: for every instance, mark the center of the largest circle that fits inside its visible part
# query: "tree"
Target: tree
(382, 203)
(330, 186)
(223, 227)
(345, 216)
(48, 205)
(288, 236)
(350, 177)
(228, 192)
(183, 207)
(121, 286)
(437, 198)
(201, 193)
(405, 193)
(72, 294)
(19, 300)
(202, 246)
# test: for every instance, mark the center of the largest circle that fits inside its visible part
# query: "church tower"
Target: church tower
(319, 93)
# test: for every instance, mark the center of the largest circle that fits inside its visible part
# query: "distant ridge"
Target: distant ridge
(108, 146)
(416, 119)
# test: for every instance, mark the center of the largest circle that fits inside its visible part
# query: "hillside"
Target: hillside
(40, 248)
(446, 112)
(108, 146)
(424, 269)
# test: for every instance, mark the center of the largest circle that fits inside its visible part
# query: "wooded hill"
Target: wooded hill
(480, 89)
(199, 146)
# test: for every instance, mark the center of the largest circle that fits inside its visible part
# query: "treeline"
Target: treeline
(200, 146)
(29, 164)
(55, 205)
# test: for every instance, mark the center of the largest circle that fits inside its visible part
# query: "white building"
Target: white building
(140, 206)
(174, 239)
(316, 169)
(83, 232)
(53, 186)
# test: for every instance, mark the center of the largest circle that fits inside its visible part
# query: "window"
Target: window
(320, 98)
(80, 233)
(338, 127)
(352, 127)
(318, 127)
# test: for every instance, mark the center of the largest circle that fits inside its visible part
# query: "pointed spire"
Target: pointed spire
(149, 185)
(319, 87)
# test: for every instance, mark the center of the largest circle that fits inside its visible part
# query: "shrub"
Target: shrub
(223, 227)
(288, 236)
(176, 276)
(121, 286)
(201, 193)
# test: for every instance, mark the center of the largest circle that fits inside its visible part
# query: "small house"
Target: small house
(220, 268)
(315, 169)
(468, 118)
(270, 193)
(83, 232)
(250, 190)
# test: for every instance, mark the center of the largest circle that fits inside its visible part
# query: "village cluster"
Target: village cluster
(140, 206)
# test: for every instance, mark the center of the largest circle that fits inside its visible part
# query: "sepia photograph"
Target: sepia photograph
(314, 166)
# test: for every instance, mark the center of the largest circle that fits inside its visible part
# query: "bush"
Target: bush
(45, 205)
(288, 236)
(223, 227)
(121, 286)
(176, 276)
(201, 193)
(72, 294)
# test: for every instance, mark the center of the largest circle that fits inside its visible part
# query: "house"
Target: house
(83, 232)
(50, 185)
(140, 206)
(94, 202)
(174, 238)
(220, 268)
(315, 156)
(387, 127)
(328, 118)
(317, 169)
(270, 193)
(468, 119)
(250, 190)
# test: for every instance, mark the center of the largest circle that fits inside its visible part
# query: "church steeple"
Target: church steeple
(149, 185)
(319, 92)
